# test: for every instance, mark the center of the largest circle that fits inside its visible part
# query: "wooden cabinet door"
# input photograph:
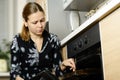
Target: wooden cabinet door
(64, 52)
(110, 43)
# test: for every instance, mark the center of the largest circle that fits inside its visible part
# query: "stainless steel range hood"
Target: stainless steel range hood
(82, 5)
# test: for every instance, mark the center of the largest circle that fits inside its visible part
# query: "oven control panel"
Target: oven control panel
(84, 41)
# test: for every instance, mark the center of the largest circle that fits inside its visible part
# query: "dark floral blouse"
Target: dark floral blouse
(27, 62)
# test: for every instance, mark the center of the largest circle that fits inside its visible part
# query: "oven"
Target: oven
(85, 48)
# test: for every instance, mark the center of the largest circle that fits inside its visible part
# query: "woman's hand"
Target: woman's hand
(19, 78)
(68, 62)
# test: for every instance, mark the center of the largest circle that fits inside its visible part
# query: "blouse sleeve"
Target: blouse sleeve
(15, 59)
(57, 58)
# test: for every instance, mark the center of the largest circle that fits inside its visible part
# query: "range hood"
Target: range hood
(81, 5)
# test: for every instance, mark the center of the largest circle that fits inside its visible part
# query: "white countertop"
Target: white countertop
(4, 74)
(102, 12)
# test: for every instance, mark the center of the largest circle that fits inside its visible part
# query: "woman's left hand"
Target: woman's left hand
(68, 62)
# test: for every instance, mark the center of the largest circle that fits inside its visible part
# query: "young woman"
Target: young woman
(34, 49)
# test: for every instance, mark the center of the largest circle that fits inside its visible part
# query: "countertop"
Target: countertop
(106, 9)
(4, 74)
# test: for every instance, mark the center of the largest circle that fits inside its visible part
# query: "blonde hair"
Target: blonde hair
(29, 8)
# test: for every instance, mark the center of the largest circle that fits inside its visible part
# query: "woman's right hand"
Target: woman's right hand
(19, 78)
(68, 62)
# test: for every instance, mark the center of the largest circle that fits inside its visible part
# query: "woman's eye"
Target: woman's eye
(42, 20)
(34, 22)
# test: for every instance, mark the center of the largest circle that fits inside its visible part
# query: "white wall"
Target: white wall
(19, 20)
(15, 16)
(57, 19)
(11, 19)
(3, 19)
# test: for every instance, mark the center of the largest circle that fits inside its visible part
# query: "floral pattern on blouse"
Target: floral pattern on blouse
(27, 62)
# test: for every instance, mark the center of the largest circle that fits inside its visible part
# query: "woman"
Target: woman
(34, 49)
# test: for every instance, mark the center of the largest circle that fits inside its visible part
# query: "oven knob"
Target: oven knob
(85, 40)
(80, 43)
(75, 47)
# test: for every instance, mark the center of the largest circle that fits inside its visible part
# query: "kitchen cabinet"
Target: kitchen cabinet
(64, 52)
(110, 39)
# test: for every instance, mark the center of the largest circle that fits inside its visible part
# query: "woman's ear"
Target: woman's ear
(25, 23)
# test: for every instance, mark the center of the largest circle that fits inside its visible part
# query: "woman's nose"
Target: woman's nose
(39, 24)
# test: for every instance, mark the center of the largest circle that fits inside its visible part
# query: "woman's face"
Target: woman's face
(36, 23)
